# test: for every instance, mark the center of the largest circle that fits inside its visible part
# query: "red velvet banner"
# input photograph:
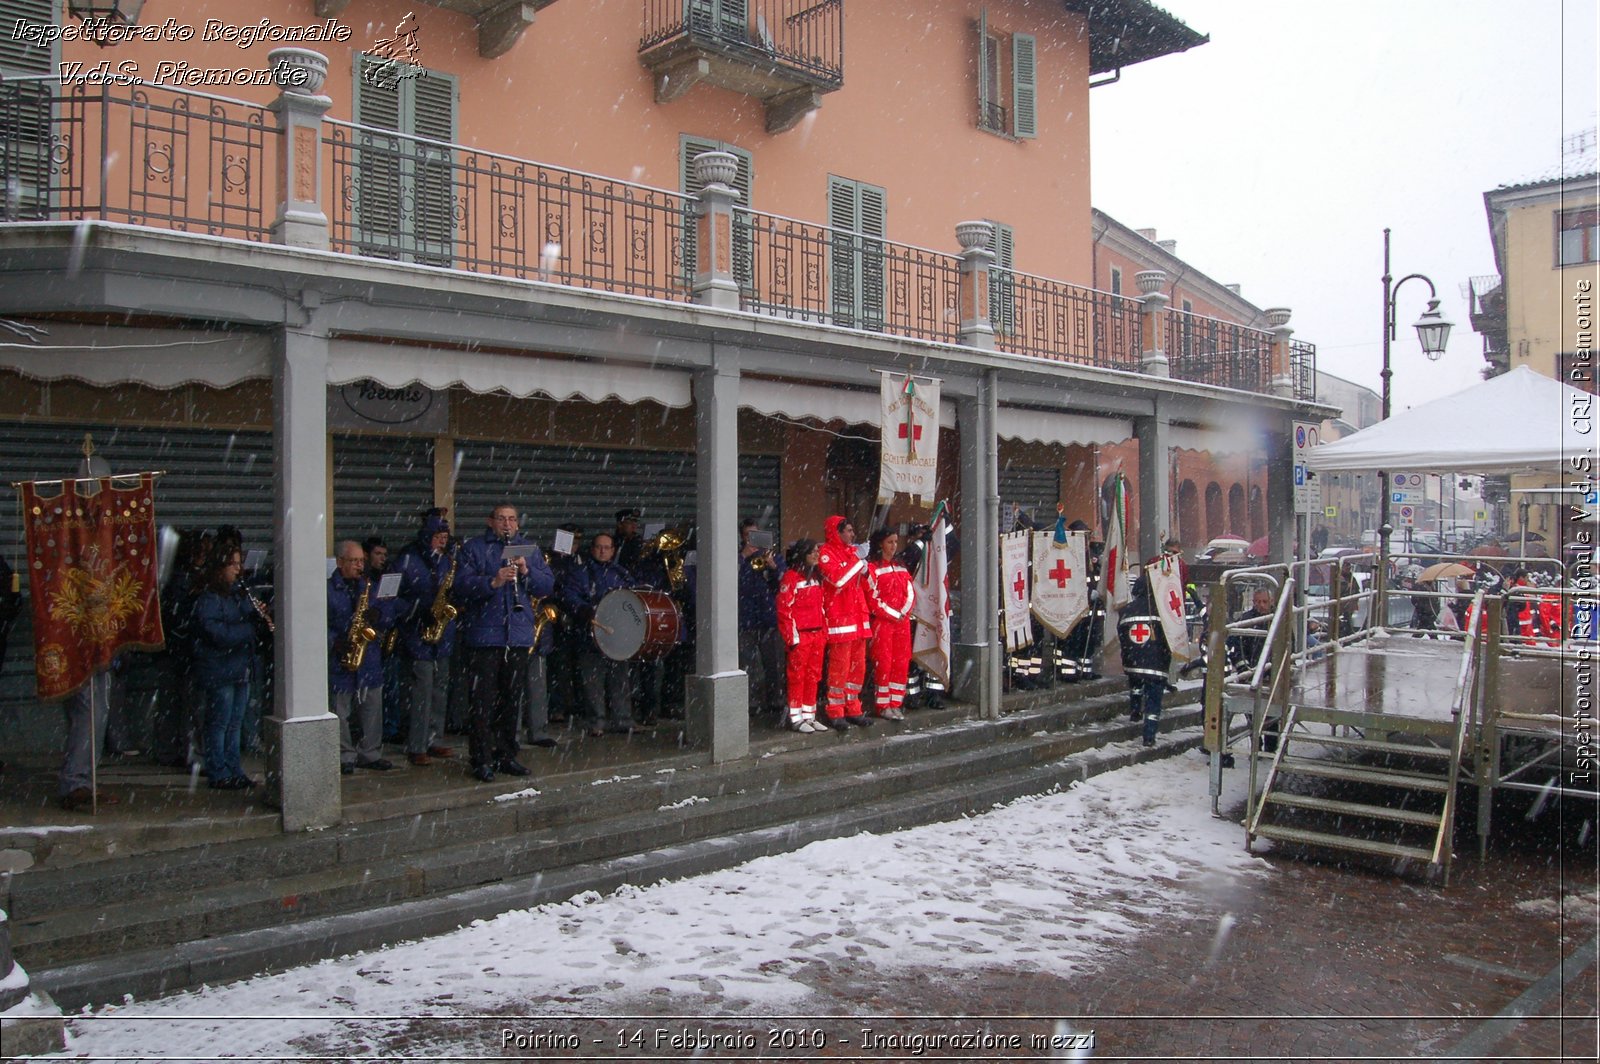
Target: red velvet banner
(92, 574)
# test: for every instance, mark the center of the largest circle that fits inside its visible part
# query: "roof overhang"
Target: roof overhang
(1125, 32)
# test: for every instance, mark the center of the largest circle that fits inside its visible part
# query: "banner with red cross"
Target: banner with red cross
(1060, 580)
(91, 575)
(1166, 594)
(909, 451)
(1014, 588)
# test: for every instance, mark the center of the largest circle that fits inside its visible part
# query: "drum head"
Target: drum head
(623, 612)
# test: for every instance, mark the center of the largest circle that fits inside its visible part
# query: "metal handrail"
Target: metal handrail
(1465, 699)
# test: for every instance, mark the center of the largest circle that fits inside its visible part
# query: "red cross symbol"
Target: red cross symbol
(1020, 586)
(1060, 574)
(1140, 633)
(916, 431)
(1175, 602)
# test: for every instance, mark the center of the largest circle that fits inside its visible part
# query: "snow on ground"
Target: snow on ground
(1042, 884)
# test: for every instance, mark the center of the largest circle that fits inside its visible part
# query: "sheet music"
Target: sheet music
(389, 585)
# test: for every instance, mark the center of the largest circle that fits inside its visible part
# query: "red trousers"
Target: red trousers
(805, 674)
(847, 671)
(891, 661)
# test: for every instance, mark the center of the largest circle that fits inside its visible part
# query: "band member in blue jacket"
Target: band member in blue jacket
(349, 641)
(605, 680)
(501, 596)
(424, 565)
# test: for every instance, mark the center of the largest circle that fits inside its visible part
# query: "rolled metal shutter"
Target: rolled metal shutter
(381, 486)
(1035, 490)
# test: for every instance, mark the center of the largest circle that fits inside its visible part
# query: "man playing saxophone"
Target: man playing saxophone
(427, 570)
(356, 620)
(500, 592)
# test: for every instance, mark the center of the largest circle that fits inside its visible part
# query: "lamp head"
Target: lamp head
(1433, 331)
(106, 13)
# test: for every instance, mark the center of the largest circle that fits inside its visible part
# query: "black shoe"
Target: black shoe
(840, 724)
(934, 703)
(860, 720)
(483, 774)
(1227, 760)
(542, 741)
(512, 767)
(347, 769)
(1134, 716)
(1149, 742)
(380, 765)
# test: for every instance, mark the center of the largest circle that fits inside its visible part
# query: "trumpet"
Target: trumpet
(763, 561)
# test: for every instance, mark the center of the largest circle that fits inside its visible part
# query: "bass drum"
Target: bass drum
(636, 625)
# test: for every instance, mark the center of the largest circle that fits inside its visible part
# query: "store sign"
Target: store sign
(369, 405)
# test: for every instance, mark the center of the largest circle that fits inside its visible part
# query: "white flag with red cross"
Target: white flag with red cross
(1014, 588)
(1166, 594)
(909, 451)
(1060, 580)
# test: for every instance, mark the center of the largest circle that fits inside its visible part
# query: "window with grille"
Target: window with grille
(1007, 81)
(856, 216)
(1578, 236)
(405, 183)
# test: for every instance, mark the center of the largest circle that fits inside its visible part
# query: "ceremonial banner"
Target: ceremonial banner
(1166, 593)
(909, 437)
(930, 613)
(1113, 573)
(1014, 588)
(1060, 580)
(92, 575)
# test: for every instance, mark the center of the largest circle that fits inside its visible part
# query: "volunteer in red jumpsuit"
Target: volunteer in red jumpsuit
(844, 601)
(890, 593)
(804, 631)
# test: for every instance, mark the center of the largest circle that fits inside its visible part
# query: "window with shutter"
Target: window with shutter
(857, 216)
(1023, 93)
(1007, 81)
(689, 148)
(404, 199)
(1002, 284)
(25, 111)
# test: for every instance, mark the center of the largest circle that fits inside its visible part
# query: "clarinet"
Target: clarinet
(261, 608)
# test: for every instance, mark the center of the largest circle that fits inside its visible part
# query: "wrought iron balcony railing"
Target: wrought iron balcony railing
(192, 162)
(801, 37)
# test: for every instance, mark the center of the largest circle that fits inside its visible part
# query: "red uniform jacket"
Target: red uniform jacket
(799, 606)
(890, 591)
(844, 599)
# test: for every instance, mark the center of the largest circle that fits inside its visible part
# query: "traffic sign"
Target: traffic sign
(1307, 490)
(1330, 511)
(1408, 516)
(1480, 515)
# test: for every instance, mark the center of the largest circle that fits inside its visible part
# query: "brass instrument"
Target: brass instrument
(762, 561)
(359, 635)
(442, 611)
(669, 543)
(547, 615)
(261, 608)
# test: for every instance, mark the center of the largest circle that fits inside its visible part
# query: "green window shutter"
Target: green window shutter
(20, 56)
(985, 90)
(857, 215)
(25, 115)
(376, 161)
(393, 173)
(873, 224)
(732, 20)
(431, 102)
(690, 148)
(842, 216)
(1002, 285)
(1023, 86)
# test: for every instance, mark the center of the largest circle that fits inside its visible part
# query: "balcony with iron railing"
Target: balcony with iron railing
(786, 53)
(194, 162)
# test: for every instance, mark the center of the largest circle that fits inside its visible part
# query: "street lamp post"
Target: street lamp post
(1433, 332)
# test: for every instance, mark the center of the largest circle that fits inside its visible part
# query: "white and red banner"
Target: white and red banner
(1014, 589)
(909, 451)
(1166, 594)
(1060, 580)
(930, 612)
(1114, 583)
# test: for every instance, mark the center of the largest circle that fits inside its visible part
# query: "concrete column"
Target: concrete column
(717, 696)
(1153, 300)
(975, 330)
(302, 735)
(975, 669)
(714, 284)
(1155, 488)
(1281, 372)
(299, 73)
(1280, 493)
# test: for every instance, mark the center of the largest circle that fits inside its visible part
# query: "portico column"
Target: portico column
(717, 696)
(975, 668)
(302, 735)
(1280, 494)
(299, 108)
(1155, 491)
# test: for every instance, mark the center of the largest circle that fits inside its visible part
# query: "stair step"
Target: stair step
(1374, 746)
(1340, 842)
(1375, 812)
(1374, 722)
(1385, 777)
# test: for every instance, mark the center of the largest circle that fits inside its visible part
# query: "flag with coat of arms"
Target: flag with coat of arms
(930, 609)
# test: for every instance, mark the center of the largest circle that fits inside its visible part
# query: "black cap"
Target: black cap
(627, 515)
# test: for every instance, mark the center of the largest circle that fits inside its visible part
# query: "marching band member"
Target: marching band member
(605, 681)
(804, 629)
(890, 595)
(759, 655)
(355, 613)
(225, 635)
(844, 602)
(426, 641)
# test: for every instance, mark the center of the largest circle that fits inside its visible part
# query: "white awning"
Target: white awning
(1213, 441)
(396, 366)
(1052, 426)
(782, 399)
(158, 358)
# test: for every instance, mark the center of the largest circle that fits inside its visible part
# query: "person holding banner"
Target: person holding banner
(1145, 658)
(844, 601)
(225, 623)
(890, 596)
(804, 629)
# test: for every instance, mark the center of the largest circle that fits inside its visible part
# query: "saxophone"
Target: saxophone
(359, 635)
(443, 612)
(547, 615)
